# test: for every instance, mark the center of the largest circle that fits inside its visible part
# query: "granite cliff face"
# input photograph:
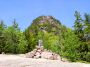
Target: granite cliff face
(46, 23)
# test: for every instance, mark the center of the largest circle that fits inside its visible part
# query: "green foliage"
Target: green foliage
(88, 57)
(87, 27)
(2, 37)
(32, 40)
(37, 30)
(59, 39)
(78, 26)
(68, 43)
(71, 43)
(22, 45)
(12, 39)
(51, 42)
(82, 30)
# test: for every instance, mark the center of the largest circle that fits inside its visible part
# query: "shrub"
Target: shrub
(88, 57)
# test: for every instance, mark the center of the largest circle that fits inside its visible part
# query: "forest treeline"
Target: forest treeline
(73, 44)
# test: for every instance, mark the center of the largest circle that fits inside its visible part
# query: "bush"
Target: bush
(88, 57)
(69, 48)
(51, 42)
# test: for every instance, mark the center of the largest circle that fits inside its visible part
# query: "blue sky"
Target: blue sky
(24, 11)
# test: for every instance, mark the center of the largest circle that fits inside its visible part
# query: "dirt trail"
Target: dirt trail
(21, 61)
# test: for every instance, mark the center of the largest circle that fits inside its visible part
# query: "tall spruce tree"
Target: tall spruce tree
(87, 26)
(78, 26)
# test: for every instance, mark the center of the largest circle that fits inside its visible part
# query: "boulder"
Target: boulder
(46, 55)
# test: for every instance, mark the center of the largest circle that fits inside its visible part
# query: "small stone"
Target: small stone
(29, 55)
(37, 55)
(51, 58)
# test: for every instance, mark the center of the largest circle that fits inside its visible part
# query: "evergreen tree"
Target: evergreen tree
(78, 26)
(87, 26)
(15, 40)
(2, 36)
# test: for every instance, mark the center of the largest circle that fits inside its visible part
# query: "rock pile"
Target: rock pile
(40, 52)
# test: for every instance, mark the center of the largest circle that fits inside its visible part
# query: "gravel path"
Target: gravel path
(21, 61)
